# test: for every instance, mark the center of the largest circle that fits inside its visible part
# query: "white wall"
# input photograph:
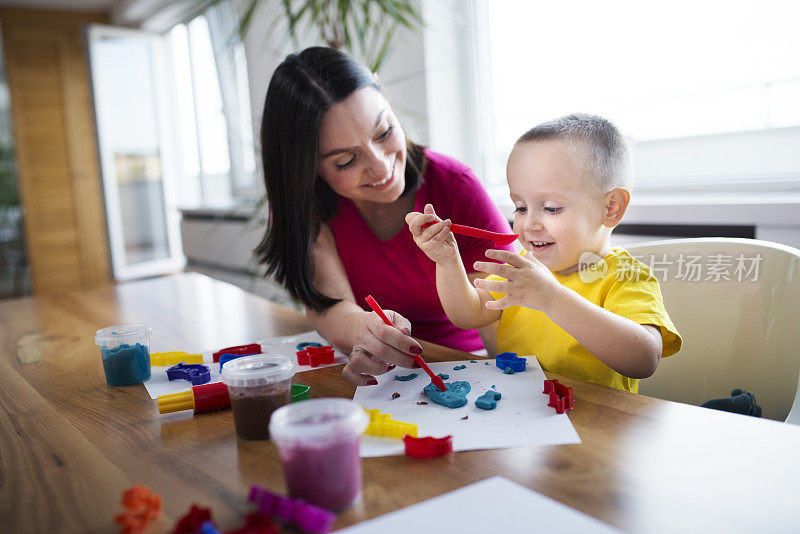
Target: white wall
(771, 157)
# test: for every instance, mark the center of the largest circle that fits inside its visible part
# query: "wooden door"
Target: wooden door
(54, 137)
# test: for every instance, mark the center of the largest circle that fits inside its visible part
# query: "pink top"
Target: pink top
(397, 273)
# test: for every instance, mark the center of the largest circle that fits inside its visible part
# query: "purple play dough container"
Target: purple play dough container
(318, 443)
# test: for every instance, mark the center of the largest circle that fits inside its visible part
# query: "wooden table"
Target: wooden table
(70, 444)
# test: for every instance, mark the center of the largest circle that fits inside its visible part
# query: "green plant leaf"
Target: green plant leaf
(381, 56)
(247, 16)
(364, 28)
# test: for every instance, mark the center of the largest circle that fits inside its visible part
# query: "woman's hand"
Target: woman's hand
(528, 282)
(436, 241)
(379, 348)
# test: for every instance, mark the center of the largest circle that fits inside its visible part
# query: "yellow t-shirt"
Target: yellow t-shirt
(618, 283)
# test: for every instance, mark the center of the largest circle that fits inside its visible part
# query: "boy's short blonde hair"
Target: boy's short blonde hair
(596, 142)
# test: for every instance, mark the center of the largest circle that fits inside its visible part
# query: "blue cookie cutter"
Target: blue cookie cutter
(488, 401)
(196, 373)
(510, 360)
(225, 358)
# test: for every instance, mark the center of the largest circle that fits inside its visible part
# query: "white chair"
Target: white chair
(743, 331)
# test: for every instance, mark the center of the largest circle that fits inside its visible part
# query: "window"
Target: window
(212, 110)
(174, 130)
(705, 91)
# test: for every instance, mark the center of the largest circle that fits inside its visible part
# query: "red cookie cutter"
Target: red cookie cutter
(192, 520)
(561, 397)
(315, 356)
(242, 350)
(428, 447)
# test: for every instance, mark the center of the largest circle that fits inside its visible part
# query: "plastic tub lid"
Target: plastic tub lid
(316, 421)
(123, 333)
(257, 370)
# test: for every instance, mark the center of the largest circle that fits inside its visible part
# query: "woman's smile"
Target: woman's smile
(385, 182)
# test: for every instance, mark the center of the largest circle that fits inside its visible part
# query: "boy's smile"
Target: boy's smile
(559, 211)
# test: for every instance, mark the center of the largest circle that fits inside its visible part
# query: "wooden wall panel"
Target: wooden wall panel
(59, 178)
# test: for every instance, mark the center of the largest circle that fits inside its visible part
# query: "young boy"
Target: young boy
(583, 309)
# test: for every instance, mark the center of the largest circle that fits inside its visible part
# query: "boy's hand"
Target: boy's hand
(436, 241)
(528, 282)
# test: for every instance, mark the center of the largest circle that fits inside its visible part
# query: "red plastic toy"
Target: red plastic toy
(202, 398)
(241, 350)
(256, 523)
(561, 397)
(142, 507)
(428, 447)
(499, 239)
(211, 397)
(315, 356)
(436, 379)
(192, 521)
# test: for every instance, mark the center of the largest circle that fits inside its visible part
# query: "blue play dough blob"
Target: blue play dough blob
(488, 401)
(406, 378)
(125, 365)
(459, 367)
(454, 397)
(443, 376)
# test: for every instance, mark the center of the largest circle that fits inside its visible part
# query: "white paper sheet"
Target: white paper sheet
(492, 505)
(159, 384)
(521, 418)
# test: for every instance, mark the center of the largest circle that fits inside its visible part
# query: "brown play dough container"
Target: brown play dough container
(258, 385)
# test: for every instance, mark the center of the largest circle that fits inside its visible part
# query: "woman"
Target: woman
(340, 178)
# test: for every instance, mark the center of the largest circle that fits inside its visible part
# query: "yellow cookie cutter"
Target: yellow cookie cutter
(174, 358)
(382, 424)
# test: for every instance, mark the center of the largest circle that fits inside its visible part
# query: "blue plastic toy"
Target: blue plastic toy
(195, 373)
(225, 358)
(510, 360)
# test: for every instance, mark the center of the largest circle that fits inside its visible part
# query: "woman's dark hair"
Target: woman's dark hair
(302, 89)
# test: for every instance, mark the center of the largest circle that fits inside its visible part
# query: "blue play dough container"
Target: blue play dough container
(125, 351)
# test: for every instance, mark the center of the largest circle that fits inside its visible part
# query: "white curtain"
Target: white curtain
(229, 55)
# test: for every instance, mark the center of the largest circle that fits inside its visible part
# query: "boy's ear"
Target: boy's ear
(616, 202)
